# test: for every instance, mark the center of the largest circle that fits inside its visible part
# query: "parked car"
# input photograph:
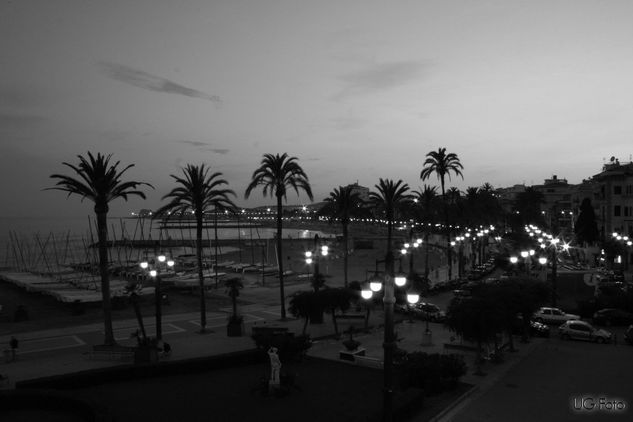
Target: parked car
(581, 330)
(461, 293)
(538, 329)
(549, 315)
(612, 316)
(427, 311)
(535, 329)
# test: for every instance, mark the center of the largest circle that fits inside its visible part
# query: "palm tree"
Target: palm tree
(390, 197)
(199, 191)
(276, 174)
(426, 198)
(100, 182)
(442, 164)
(343, 204)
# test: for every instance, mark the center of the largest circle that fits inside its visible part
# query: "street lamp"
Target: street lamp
(154, 269)
(376, 283)
(313, 256)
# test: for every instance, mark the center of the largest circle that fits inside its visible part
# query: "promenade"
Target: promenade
(59, 351)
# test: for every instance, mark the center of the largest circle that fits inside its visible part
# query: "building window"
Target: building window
(626, 211)
(617, 190)
(629, 189)
(616, 211)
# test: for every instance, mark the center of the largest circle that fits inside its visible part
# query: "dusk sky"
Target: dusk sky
(357, 90)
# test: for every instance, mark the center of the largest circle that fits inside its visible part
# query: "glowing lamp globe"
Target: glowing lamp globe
(366, 293)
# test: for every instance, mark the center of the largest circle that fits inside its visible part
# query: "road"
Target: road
(552, 382)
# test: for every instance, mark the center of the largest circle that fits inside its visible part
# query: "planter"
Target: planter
(235, 329)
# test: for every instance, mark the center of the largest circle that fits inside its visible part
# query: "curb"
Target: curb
(453, 405)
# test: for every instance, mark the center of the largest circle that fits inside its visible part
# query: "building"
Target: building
(363, 192)
(614, 196)
(557, 207)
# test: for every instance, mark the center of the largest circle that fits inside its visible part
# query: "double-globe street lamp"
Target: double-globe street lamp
(376, 283)
(154, 268)
(554, 245)
(313, 255)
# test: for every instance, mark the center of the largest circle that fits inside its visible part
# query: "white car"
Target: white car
(581, 330)
(548, 315)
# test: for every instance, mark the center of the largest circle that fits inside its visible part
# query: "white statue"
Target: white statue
(275, 365)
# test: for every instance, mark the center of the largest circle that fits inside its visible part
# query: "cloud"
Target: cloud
(206, 147)
(11, 121)
(380, 77)
(153, 83)
(348, 123)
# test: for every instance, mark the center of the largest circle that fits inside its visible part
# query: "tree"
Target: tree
(333, 299)
(390, 197)
(586, 229)
(199, 190)
(276, 174)
(426, 199)
(476, 319)
(442, 164)
(302, 304)
(100, 182)
(343, 204)
(528, 208)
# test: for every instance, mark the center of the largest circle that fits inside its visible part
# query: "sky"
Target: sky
(357, 90)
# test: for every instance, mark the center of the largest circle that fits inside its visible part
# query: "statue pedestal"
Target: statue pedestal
(427, 338)
(273, 386)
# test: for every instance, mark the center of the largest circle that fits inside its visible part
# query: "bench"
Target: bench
(114, 355)
(268, 331)
(460, 347)
(350, 316)
(368, 362)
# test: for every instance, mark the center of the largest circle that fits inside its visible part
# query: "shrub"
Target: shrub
(434, 373)
(289, 346)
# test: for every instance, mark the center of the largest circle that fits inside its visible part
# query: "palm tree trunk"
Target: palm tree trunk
(280, 257)
(203, 303)
(102, 228)
(426, 256)
(449, 252)
(345, 254)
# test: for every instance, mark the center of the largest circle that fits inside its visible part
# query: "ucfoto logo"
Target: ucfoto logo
(598, 404)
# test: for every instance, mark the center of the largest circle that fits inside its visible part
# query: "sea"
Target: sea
(36, 242)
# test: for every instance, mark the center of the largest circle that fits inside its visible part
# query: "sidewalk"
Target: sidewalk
(194, 345)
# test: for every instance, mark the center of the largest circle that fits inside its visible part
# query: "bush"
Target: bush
(434, 373)
(289, 346)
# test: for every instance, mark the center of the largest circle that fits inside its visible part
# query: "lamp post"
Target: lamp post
(543, 261)
(319, 250)
(513, 261)
(376, 283)
(154, 269)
